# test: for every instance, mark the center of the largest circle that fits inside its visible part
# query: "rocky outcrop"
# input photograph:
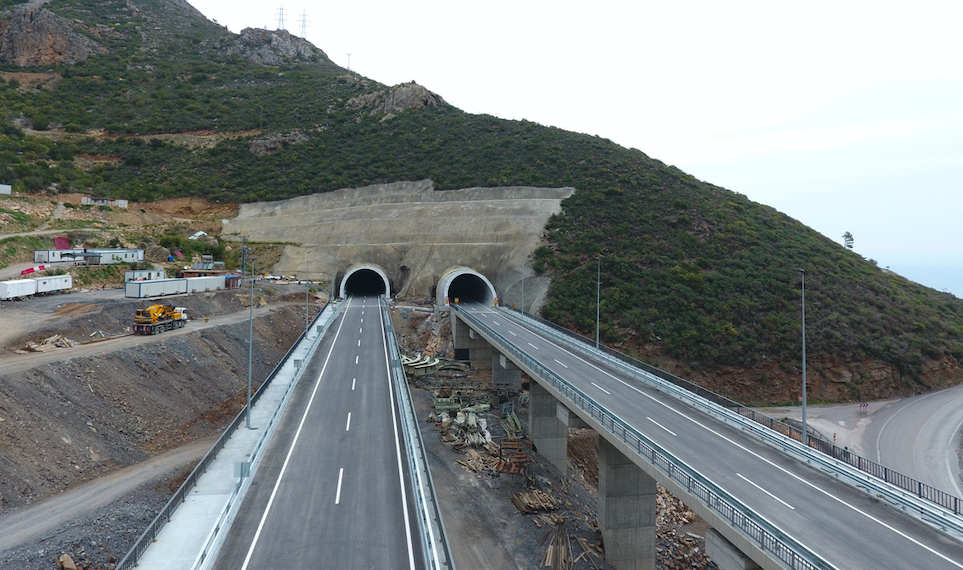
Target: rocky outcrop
(270, 47)
(38, 37)
(265, 145)
(397, 99)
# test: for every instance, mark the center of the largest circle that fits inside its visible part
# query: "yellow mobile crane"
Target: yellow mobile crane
(159, 318)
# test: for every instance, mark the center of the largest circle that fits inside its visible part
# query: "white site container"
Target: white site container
(145, 275)
(57, 255)
(206, 283)
(157, 288)
(54, 283)
(17, 288)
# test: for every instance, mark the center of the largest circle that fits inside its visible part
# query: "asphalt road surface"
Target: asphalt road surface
(920, 437)
(844, 526)
(331, 491)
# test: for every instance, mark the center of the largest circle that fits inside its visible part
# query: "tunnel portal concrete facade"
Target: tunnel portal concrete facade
(358, 271)
(464, 284)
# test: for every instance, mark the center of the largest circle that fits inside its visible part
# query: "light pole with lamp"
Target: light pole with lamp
(802, 272)
(598, 300)
(307, 313)
(250, 347)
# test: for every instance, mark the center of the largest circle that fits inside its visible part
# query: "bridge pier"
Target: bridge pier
(505, 375)
(627, 510)
(469, 345)
(549, 434)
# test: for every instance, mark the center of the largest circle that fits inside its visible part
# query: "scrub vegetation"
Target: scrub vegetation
(704, 274)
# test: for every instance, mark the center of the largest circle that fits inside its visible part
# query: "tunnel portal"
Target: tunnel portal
(365, 280)
(467, 286)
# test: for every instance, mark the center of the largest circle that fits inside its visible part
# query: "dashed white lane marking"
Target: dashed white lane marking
(337, 497)
(560, 362)
(761, 458)
(353, 381)
(765, 491)
(359, 342)
(361, 330)
(512, 333)
(347, 426)
(533, 346)
(496, 323)
(356, 359)
(661, 426)
(601, 388)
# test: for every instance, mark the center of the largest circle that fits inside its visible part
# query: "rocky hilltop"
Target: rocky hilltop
(266, 47)
(39, 37)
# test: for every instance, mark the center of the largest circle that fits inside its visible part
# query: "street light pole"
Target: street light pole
(598, 300)
(250, 349)
(804, 427)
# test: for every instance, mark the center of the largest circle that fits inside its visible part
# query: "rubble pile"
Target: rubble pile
(677, 547)
(46, 345)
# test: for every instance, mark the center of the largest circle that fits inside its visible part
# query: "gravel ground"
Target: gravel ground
(102, 538)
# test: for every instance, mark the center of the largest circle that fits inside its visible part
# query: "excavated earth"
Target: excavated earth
(69, 420)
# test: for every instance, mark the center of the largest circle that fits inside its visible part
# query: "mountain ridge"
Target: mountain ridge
(696, 278)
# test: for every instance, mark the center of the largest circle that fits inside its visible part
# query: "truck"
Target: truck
(159, 318)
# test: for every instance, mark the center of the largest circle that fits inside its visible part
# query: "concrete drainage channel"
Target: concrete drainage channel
(190, 529)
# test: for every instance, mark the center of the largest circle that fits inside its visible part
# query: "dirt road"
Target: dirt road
(29, 523)
(21, 362)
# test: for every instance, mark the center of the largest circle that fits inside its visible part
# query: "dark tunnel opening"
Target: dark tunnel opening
(469, 288)
(365, 282)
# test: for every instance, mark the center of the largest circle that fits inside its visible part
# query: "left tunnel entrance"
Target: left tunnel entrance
(365, 281)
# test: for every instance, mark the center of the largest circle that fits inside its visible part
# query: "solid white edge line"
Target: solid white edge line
(287, 459)
(347, 426)
(790, 473)
(337, 496)
(394, 424)
(661, 426)
(741, 476)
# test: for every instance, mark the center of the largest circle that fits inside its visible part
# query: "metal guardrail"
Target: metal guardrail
(150, 533)
(907, 499)
(434, 540)
(762, 532)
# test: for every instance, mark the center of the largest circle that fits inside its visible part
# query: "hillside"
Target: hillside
(694, 278)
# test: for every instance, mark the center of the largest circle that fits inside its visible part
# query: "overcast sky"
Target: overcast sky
(845, 116)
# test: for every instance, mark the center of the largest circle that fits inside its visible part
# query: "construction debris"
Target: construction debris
(48, 344)
(534, 501)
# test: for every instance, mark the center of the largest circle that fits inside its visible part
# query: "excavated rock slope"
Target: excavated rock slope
(410, 230)
(78, 418)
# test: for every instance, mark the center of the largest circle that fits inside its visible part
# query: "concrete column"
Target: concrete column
(548, 433)
(725, 554)
(626, 510)
(469, 345)
(505, 375)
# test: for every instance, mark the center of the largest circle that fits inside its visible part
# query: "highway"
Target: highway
(844, 526)
(920, 437)
(331, 491)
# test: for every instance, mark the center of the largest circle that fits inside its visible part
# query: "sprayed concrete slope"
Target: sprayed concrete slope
(412, 231)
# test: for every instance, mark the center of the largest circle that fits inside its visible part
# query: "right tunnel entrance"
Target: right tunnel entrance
(467, 286)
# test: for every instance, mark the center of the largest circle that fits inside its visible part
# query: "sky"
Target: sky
(846, 116)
